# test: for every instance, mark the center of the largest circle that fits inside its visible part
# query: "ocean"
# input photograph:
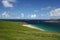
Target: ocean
(48, 28)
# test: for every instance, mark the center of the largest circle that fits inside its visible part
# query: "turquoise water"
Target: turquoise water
(47, 28)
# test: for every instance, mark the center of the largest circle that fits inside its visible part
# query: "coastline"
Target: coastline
(31, 26)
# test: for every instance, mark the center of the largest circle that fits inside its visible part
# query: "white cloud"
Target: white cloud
(36, 11)
(55, 12)
(18, 17)
(5, 15)
(33, 16)
(22, 14)
(49, 7)
(11, 0)
(6, 3)
(46, 8)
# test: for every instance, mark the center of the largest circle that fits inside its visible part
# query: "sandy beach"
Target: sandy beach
(30, 26)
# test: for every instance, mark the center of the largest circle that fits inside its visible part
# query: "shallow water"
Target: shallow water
(50, 28)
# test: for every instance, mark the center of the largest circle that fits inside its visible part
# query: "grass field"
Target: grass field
(15, 31)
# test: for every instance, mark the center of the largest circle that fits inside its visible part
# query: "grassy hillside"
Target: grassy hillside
(15, 31)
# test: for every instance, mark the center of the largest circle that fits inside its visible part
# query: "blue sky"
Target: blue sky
(29, 9)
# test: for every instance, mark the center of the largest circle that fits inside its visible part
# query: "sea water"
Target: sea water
(48, 28)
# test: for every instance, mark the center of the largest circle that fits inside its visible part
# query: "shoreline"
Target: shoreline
(31, 26)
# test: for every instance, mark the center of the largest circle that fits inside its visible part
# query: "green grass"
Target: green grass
(15, 31)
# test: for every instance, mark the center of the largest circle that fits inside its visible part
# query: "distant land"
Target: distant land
(44, 20)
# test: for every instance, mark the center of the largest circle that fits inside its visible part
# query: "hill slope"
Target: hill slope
(15, 31)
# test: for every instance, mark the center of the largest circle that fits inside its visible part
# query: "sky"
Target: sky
(29, 9)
